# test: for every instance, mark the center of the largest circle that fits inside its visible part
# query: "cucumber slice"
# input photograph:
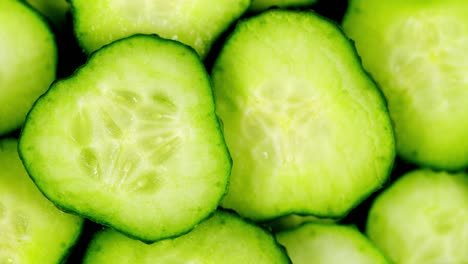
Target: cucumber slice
(308, 130)
(28, 54)
(417, 52)
(422, 218)
(329, 243)
(222, 238)
(31, 227)
(131, 140)
(262, 5)
(197, 23)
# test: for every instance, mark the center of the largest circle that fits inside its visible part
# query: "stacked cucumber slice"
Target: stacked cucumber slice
(233, 131)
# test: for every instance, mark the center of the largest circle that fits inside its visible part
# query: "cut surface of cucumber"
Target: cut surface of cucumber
(308, 130)
(131, 140)
(422, 218)
(196, 23)
(28, 56)
(262, 5)
(222, 238)
(329, 243)
(417, 52)
(31, 227)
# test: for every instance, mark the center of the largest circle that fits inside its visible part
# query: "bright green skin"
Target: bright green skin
(197, 23)
(28, 54)
(308, 130)
(417, 52)
(422, 218)
(262, 5)
(329, 243)
(31, 227)
(131, 140)
(222, 238)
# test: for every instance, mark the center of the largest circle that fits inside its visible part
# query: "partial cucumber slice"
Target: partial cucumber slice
(28, 56)
(262, 5)
(55, 10)
(131, 140)
(328, 243)
(223, 238)
(422, 218)
(196, 23)
(308, 130)
(32, 229)
(417, 51)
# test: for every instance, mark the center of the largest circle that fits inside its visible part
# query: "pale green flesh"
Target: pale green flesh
(422, 218)
(329, 243)
(262, 5)
(222, 238)
(418, 55)
(31, 227)
(133, 141)
(28, 62)
(195, 23)
(307, 129)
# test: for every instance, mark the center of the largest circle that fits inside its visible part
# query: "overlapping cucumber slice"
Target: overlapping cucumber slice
(417, 53)
(131, 140)
(329, 243)
(31, 228)
(422, 218)
(308, 130)
(197, 23)
(222, 238)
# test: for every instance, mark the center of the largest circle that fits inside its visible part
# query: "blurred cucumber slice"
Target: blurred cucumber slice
(422, 218)
(417, 52)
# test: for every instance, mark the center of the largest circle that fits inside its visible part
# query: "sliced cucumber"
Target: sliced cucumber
(422, 218)
(28, 56)
(308, 130)
(262, 5)
(417, 52)
(223, 238)
(329, 243)
(31, 227)
(196, 23)
(131, 140)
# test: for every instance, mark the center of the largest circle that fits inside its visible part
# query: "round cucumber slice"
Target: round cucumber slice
(416, 50)
(31, 227)
(197, 23)
(422, 218)
(131, 140)
(222, 238)
(308, 130)
(28, 54)
(329, 243)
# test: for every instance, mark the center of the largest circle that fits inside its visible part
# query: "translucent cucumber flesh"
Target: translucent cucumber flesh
(308, 131)
(222, 238)
(132, 136)
(421, 73)
(329, 243)
(422, 218)
(31, 227)
(196, 23)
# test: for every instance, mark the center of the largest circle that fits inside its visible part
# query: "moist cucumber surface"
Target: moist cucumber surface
(28, 54)
(422, 218)
(31, 227)
(308, 130)
(329, 243)
(196, 23)
(222, 238)
(131, 140)
(416, 51)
